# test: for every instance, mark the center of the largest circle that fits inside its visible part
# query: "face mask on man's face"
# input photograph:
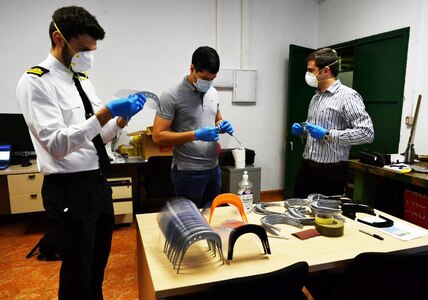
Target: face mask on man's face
(81, 61)
(203, 85)
(311, 78)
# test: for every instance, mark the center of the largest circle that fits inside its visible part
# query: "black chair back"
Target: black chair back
(286, 283)
(158, 185)
(386, 276)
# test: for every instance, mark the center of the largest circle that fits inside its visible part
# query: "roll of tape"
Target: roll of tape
(324, 219)
(335, 229)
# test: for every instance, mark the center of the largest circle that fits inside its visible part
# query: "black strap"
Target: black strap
(202, 98)
(104, 161)
(386, 223)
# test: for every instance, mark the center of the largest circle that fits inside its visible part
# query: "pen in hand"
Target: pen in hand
(231, 134)
(372, 234)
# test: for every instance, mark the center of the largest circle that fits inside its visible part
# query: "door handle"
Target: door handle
(291, 145)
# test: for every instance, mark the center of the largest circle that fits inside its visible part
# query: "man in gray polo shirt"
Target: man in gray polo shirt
(190, 120)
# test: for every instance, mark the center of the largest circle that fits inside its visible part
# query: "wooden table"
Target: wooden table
(199, 270)
(365, 180)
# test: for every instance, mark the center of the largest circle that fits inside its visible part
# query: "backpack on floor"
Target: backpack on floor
(48, 248)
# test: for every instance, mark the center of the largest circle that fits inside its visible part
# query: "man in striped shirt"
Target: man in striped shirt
(336, 120)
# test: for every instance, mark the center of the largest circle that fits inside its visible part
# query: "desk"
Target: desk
(365, 180)
(133, 168)
(157, 279)
(29, 183)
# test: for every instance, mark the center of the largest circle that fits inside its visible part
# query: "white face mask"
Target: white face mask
(82, 61)
(311, 79)
(203, 85)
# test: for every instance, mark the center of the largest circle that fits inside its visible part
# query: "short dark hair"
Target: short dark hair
(324, 57)
(73, 21)
(206, 59)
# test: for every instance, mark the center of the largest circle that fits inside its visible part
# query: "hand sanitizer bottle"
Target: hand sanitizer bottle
(245, 192)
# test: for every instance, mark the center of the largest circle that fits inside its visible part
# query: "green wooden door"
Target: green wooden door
(379, 76)
(299, 96)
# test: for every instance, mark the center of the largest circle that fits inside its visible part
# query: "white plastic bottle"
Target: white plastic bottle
(245, 192)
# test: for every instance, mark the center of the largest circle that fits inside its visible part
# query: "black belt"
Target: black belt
(90, 173)
(318, 165)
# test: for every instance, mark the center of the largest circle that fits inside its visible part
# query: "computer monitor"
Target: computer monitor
(5, 155)
(14, 131)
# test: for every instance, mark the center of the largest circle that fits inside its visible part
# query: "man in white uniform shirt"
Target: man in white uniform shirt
(336, 120)
(69, 126)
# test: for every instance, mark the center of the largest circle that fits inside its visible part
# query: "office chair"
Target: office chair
(380, 276)
(286, 283)
(157, 183)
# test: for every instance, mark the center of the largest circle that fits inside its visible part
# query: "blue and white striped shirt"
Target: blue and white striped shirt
(341, 110)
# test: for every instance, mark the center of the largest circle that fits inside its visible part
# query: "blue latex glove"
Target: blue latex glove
(127, 107)
(207, 134)
(296, 129)
(225, 126)
(315, 131)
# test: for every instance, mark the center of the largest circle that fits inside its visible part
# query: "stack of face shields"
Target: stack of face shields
(321, 204)
(298, 211)
(296, 214)
(182, 225)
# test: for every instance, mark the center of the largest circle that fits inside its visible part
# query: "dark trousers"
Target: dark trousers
(201, 187)
(80, 209)
(325, 179)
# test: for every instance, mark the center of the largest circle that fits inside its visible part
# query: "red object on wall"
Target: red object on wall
(416, 208)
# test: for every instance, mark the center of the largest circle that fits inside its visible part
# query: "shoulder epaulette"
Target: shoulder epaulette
(39, 71)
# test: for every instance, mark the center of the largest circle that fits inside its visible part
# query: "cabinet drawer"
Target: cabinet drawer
(122, 192)
(121, 208)
(25, 183)
(23, 203)
(122, 187)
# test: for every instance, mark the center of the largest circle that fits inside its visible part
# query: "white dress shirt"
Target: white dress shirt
(55, 115)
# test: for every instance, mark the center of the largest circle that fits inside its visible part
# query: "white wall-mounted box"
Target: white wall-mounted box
(241, 82)
(225, 79)
(245, 86)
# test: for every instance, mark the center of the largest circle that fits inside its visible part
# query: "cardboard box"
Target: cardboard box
(416, 208)
(143, 141)
(127, 150)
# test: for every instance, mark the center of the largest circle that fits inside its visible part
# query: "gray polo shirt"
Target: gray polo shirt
(189, 110)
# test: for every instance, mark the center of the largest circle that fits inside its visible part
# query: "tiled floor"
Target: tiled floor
(22, 278)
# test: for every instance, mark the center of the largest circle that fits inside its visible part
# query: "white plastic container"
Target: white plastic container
(245, 192)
